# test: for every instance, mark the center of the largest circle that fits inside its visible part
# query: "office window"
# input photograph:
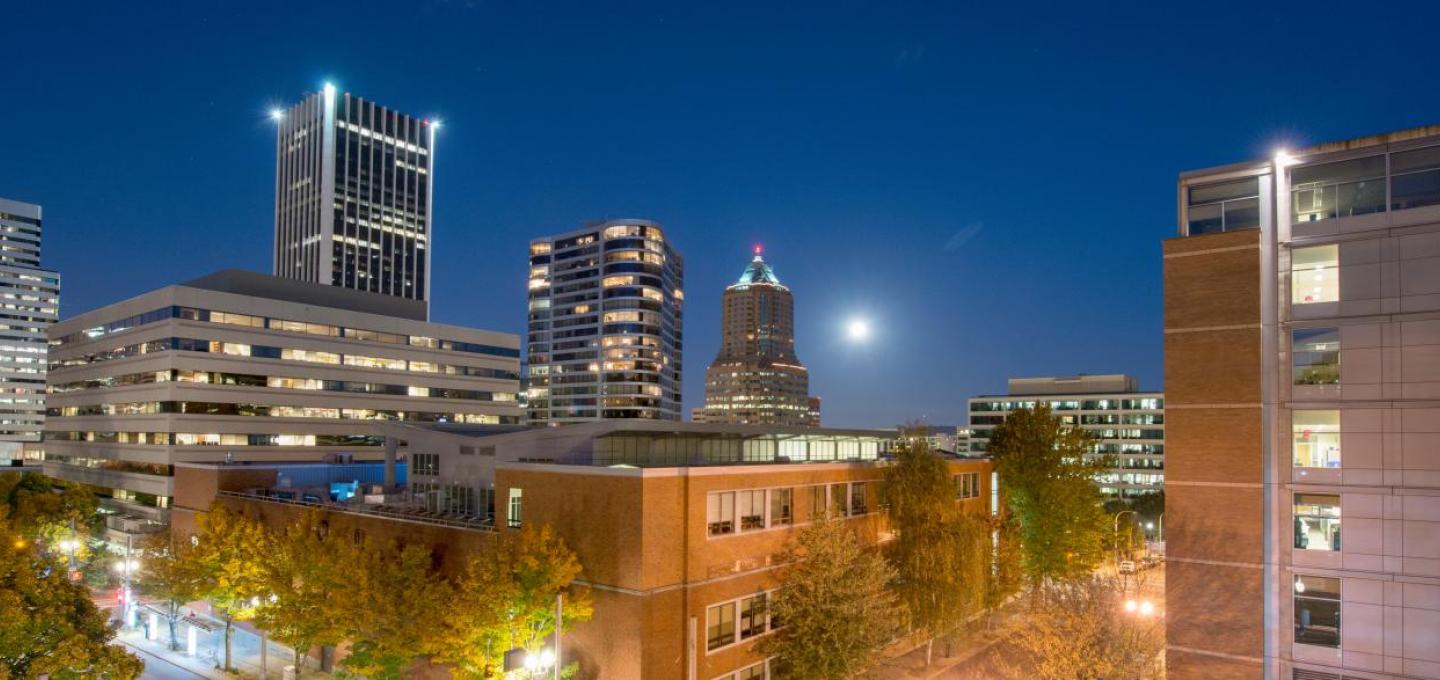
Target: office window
(1226, 206)
(859, 502)
(720, 513)
(719, 625)
(1315, 356)
(1317, 610)
(1415, 178)
(1317, 521)
(750, 506)
(1341, 189)
(1316, 438)
(839, 500)
(782, 510)
(1315, 274)
(752, 616)
(818, 502)
(756, 672)
(516, 508)
(425, 464)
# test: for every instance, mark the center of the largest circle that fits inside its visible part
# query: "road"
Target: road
(157, 668)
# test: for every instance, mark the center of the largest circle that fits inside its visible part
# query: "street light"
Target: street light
(1115, 536)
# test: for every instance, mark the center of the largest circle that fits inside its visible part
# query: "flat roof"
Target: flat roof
(1367, 141)
(255, 284)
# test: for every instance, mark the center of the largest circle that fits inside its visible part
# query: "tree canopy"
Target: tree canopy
(49, 625)
(834, 605)
(1048, 484)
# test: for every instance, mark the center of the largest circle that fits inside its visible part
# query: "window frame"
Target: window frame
(733, 605)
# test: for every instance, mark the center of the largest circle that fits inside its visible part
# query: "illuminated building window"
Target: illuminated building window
(1317, 522)
(1315, 274)
(1316, 438)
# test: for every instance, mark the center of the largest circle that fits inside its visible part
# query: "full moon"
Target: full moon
(858, 329)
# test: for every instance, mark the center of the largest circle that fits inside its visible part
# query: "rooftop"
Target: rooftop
(758, 273)
(255, 284)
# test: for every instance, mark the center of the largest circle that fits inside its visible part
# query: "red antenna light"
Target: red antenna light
(757, 248)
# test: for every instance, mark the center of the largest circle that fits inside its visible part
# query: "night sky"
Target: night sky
(988, 185)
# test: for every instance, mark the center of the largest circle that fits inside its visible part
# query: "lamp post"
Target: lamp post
(1115, 537)
(1161, 537)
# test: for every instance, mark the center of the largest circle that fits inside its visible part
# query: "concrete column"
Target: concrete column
(391, 444)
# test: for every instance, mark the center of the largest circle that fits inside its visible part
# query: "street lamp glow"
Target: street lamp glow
(1147, 608)
(127, 566)
(1131, 606)
(1149, 526)
(858, 330)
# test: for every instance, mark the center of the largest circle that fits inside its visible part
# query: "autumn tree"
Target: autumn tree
(941, 556)
(506, 600)
(834, 605)
(1085, 633)
(1049, 489)
(392, 608)
(227, 557)
(59, 515)
(169, 578)
(48, 624)
(305, 575)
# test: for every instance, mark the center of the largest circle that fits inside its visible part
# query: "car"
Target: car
(1127, 567)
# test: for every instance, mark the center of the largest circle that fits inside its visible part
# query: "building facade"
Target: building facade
(249, 367)
(31, 298)
(1126, 423)
(757, 378)
(353, 183)
(1302, 331)
(605, 325)
(677, 527)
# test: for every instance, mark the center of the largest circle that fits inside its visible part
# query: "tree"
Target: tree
(49, 625)
(392, 608)
(36, 502)
(305, 576)
(1084, 633)
(836, 610)
(169, 578)
(940, 555)
(506, 600)
(227, 559)
(1048, 485)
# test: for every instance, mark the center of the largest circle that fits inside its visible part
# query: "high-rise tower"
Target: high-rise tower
(756, 378)
(31, 297)
(353, 183)
(605, 324)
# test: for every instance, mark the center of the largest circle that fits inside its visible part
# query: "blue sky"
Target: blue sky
(988, 184)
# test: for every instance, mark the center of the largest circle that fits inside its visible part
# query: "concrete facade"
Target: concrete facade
(1302, 319)
(232, 366)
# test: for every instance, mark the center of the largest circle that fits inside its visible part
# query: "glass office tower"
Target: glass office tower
(353, 183)
(605, 324)
(31, 299)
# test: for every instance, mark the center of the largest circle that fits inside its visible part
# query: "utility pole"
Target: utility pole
(559, 617)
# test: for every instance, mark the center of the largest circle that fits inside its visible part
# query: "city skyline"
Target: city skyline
(952, 187)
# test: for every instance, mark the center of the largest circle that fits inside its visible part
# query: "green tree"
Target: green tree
(168, 579)
(48, 624)
(1084, 633)
(37, 503)
(392, 609)
(940, 555)
(1049, 489)
(836, 610)
(227, 560)
(305, 575)
(506, 600)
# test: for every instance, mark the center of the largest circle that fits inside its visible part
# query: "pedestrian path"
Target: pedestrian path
(209, 649)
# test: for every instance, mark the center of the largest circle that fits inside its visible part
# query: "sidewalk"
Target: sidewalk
(210, 650)
(968, 645)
